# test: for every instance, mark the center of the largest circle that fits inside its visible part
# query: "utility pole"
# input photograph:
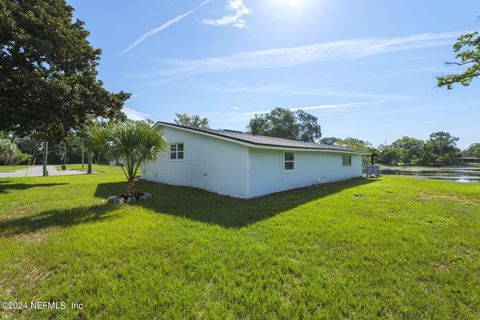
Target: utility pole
(64, 156)
(45, 157)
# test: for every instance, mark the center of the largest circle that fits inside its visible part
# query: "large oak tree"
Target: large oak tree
(284, 123)
(48, 77)
(467, 49)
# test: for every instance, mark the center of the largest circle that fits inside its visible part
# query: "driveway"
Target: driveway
(37, 171)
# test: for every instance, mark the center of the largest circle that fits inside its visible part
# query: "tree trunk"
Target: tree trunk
(83, 157)
(65, 154)
(45, 157)
(131, 188)
(90, 160)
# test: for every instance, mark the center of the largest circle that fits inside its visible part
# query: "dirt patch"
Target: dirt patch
(442, 268)
(445, 198)
(32, 237)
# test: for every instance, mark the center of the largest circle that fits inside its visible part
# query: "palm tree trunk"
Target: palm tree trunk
(131, 190)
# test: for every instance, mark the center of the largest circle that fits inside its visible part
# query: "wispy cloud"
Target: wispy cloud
(302, 90)
(235, 19)
(301, 55)
(162, 27)
(135, 115)
(320, 106)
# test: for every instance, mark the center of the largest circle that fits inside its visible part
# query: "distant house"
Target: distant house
(464, 160)
(242, 165)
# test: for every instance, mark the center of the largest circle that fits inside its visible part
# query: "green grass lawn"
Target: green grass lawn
(396, 247)
(12, 168)
(95, 168)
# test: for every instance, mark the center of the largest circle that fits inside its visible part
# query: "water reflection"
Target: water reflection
(457, 174)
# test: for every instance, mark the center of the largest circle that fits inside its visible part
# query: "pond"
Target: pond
(457, 174)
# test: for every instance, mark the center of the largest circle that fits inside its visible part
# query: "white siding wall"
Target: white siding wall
(267, 174)
(209, 163)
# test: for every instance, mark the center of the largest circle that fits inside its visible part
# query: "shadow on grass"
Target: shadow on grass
(57, 218)
(201, 205)
(4, 185)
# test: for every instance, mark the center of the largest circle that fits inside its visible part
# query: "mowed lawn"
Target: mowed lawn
(12, 168)
(395, 247)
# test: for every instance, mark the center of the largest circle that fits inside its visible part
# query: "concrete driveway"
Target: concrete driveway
(37, 171)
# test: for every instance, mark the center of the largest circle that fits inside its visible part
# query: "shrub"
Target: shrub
(10, 154)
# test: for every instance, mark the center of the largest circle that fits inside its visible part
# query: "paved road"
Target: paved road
(37, 171)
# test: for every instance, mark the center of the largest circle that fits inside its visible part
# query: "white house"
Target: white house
(246, 166)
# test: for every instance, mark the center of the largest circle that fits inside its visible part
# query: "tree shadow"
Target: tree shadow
(5, 185)
(58, 218)
(201, 205)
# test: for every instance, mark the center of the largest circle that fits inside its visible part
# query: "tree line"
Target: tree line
(439, 149)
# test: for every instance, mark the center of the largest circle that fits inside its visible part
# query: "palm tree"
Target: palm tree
(96, 140)
(129, 143)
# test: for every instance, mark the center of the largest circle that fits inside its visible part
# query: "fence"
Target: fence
(371, 170)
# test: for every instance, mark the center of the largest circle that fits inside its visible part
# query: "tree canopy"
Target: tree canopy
(355, 144)
(194, 121)
(467, 49)
(473, 150)
(48, 77)
(410, 150)
(284, 123)
(329, 140)
(440, 147)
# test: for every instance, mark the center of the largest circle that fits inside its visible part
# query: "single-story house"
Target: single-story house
(243, 165)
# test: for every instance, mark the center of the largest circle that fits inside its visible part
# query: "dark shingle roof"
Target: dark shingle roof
(264, 140)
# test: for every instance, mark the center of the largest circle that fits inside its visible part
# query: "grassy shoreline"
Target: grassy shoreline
(387, 248)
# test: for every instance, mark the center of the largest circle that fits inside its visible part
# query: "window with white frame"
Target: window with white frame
(347, 161)
(176, 151)
(288, 161)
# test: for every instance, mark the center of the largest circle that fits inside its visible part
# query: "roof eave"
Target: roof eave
(261, 145)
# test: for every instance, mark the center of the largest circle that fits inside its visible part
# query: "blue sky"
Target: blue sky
(365, 68)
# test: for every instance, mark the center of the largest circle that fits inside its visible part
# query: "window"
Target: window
(288, 161)
(347, 161)
(176, 151)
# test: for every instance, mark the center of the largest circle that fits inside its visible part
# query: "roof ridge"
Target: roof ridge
(265, 140)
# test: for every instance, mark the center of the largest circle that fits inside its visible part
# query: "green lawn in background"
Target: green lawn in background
(95, 168)
(396, 247)
(12, 168)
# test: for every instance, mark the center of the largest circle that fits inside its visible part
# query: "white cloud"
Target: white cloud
(135, 115)
(321, 106)
(301, 55)
(302, 90)
(162, 27)
(235, 19)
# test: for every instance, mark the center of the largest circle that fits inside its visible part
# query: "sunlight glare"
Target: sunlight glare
(292, 3)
